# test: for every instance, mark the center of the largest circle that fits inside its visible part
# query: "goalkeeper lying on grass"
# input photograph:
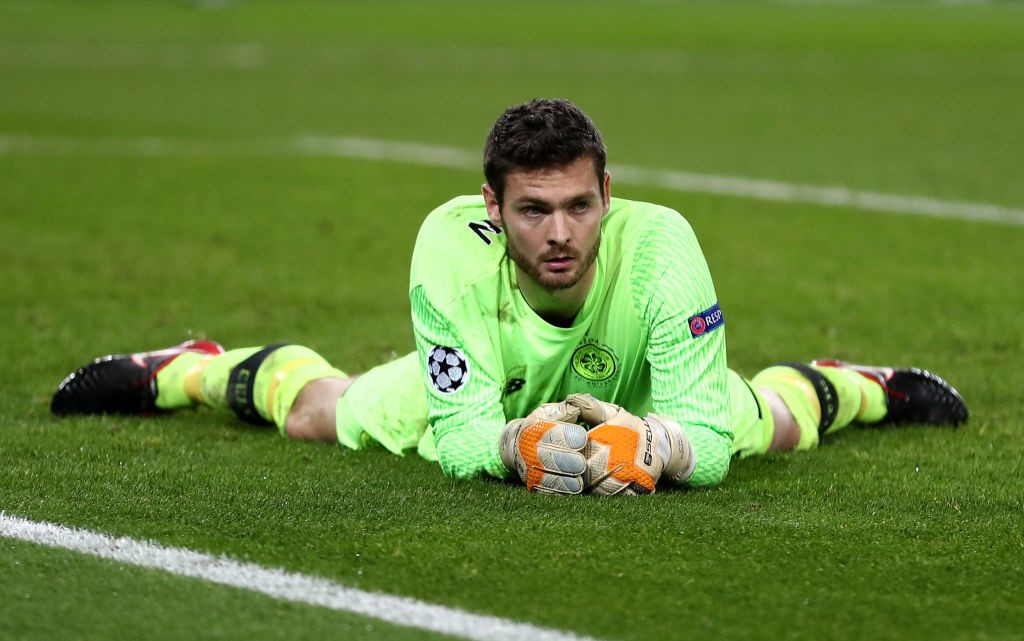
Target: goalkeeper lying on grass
(565, 338)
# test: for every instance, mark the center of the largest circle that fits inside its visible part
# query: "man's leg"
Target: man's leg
(127, 383)
(792, 406)
(386, 405)
(756, 429)
(259, 384)
(289, 386)
(314, 416)
(294, 388)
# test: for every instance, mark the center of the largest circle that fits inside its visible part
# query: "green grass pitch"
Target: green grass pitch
(150, 189)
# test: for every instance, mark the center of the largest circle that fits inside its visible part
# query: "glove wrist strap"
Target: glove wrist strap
(673, 448)
(508, 442)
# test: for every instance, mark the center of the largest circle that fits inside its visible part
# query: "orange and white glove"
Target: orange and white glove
(546, 449)
(627, 454)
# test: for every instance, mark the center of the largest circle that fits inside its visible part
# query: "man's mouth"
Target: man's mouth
(559, 263)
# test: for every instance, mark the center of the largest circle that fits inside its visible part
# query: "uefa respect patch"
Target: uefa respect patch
(706, 321)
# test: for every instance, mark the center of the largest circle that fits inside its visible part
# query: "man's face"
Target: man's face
(552, 220)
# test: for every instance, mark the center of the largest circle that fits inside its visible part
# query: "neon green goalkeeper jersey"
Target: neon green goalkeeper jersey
(650, 336)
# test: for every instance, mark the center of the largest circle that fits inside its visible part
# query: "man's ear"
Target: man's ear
(493, 206)
(607, 187)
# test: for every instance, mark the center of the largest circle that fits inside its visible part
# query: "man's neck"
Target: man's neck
(560, 306)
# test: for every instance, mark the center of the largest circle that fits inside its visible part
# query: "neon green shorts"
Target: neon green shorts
(752, 423)
(388, 405)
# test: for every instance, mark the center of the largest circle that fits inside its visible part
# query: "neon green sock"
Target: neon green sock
(856, 399)
(873, 404)
(209, 386)
(193, 378)
(848, 390)
(278, 379)
(170, 381)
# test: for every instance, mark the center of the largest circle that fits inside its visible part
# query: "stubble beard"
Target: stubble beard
(552, 282)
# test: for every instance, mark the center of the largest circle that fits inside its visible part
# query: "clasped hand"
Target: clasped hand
(621, 453)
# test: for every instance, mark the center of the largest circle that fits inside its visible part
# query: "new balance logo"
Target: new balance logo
(512, 386)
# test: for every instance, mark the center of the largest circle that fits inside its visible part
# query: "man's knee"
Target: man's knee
(312, 417)
(787, 433)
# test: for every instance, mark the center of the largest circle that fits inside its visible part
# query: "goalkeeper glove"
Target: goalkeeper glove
(627, 454)
(546, 449)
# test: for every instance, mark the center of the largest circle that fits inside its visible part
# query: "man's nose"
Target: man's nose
(558, 229)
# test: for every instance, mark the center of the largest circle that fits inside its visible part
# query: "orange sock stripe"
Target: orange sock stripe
(194, 380)
(863, 403)
(807, 389)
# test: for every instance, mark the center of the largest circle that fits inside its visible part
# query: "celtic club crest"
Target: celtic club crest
(593, 362)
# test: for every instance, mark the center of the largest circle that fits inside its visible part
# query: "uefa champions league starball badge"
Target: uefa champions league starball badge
(448, 368)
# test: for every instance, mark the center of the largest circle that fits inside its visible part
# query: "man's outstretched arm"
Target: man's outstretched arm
(686, 348)
(463, 397)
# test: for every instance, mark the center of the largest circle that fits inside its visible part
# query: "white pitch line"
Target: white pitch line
(280, 584)
(461, 159)
(439, 156)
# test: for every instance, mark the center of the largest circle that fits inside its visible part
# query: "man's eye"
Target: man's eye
(581, 207)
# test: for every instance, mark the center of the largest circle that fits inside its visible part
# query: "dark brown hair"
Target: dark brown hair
(539, 134)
